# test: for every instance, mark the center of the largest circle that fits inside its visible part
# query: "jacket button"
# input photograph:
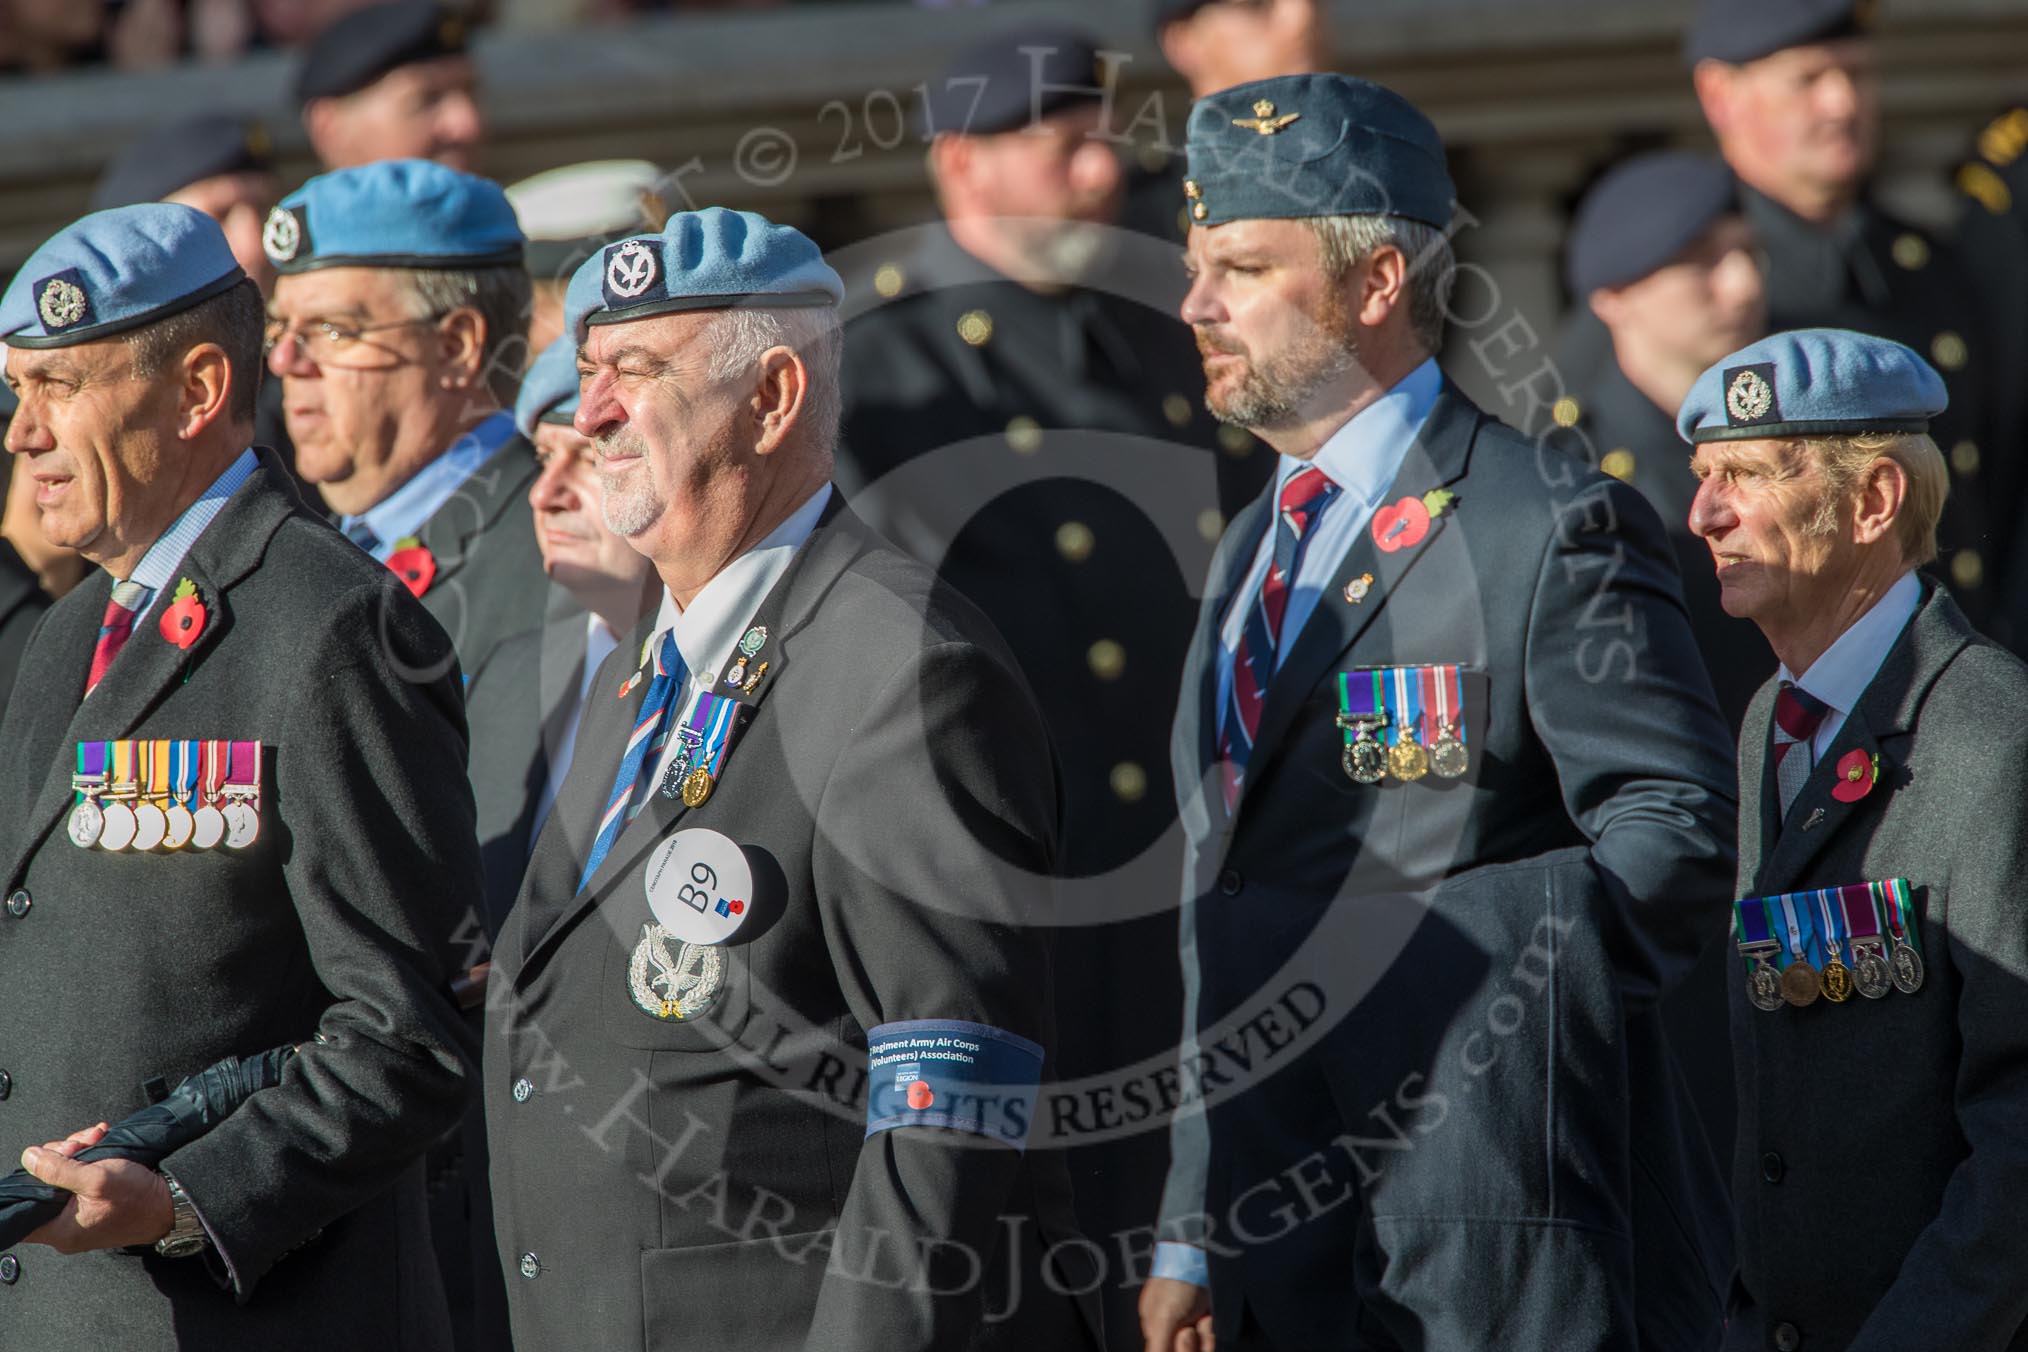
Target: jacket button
(1772, 1168)
(1229, 882)
(10, 1268)
(6, 1084)
(1787, 1337)
(530, 1266)
(523, 1089)
(18, 903)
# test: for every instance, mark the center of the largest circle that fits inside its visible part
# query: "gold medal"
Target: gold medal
(1406, 759)
(1837, 980)
(697, 788)
(1801, 983)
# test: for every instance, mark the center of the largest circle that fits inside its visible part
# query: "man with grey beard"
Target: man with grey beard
(1459, 808)
(1024, 413)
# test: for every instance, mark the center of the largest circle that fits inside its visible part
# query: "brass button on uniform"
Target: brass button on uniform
(1024, 434)
(888, 280)
(1108, 659)
(1130, 782)
(1176, 408)
(1074, 541)
(1211, 524)
(1967, 568)
(1236, 442)
(1949, 351)
(1911, 251)
(1965, 458)
(1566, 411)
(975, 327)
(1618, 462)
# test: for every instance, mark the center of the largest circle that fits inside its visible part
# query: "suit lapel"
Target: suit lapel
(1436, 459)
(788, 607)
(500, 481)
(149, 665)
(1757, 823)
(1878, 726)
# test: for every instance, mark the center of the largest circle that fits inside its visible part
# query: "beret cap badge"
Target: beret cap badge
(282, 236)
(631, 269)
(1264, 120)
(1748, 396)
(61, 304)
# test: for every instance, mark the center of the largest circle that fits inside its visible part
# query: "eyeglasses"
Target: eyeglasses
(322, 341)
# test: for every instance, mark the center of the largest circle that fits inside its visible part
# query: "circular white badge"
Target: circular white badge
(207, 828)
(700, 886)
(150, 825)
(181, 827)
(119, 827)
(242, 825)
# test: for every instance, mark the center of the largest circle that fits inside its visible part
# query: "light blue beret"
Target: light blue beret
(703, 260)
(114, 271)
(1812, 383)
(393, 214)
(549, 390)
(1314, 145)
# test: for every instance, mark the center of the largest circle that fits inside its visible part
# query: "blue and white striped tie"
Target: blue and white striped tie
(651, 733)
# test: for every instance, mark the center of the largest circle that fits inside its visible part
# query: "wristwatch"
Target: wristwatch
(186, 1237)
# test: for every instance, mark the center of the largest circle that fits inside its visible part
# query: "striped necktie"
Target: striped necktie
(127, 601)
(1303, 499)
(1797, 716)
(651, 733)
(361, 534)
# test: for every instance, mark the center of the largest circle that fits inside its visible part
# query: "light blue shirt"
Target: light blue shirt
(404, 512)
(158, 567)
(1362, 458)
(1848, 666)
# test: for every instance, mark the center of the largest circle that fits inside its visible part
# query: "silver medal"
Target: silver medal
(242, 825)
(119, 829)
(150, 825)
(207, 828)
(1906, 965)
(1764, 986)
(1869, 971)
(86, 824)
(180, 826)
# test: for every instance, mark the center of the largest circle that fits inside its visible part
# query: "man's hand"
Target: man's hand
(117, 1202)
(1176, 1317)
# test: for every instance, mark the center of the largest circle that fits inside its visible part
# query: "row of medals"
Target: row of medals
(1875, 970)
(146, 826)
(1369, 761)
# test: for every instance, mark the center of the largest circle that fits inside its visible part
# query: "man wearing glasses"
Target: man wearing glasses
(398, 328)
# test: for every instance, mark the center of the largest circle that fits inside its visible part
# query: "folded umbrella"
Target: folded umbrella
(191, 1109)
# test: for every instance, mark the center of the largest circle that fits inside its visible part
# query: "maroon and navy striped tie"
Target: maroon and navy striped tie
(1303, 499)
(1797, 716)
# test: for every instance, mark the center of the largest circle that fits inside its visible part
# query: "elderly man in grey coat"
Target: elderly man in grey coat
(1879, 1012)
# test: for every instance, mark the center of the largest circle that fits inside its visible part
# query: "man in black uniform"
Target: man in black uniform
(238, 818)
(1024, 412)
(1791, 92)
(392, 81)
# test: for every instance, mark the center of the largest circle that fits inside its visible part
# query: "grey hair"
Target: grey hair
(1432, 271)
(737, 338)
(501, 296)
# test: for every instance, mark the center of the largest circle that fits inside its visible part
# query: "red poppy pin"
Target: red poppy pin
(413, 564)
(183, 619)
(1404, 525)
(1856, 775)
(920, 1095)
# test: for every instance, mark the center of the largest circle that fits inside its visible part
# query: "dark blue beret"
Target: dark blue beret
(1011, 79)
(393, 214)
(1314, 145)
(1739, 31)
(702, 260)
(174, 157)
(1812, 383)
(366, 44)
(1642, 213)
(114, 271)
(1168, 11)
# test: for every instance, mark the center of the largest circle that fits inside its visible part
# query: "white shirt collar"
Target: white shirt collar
(716, 617)
(1848, 666)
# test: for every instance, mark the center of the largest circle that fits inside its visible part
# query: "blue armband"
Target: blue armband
(949, 1073)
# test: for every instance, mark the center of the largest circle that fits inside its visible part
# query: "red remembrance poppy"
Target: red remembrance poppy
(1855, 775)
(183, 618)
(415, 566)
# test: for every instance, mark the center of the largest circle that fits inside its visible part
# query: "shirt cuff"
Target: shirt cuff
(1181, 1263)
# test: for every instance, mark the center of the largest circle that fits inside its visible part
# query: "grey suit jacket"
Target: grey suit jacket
(331, 930)
(1591, 726)
(662, 1181)
(1882, 1153)
(489, 582)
